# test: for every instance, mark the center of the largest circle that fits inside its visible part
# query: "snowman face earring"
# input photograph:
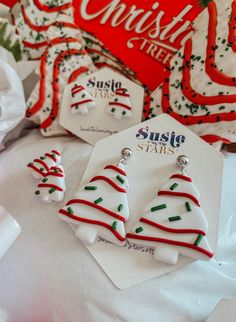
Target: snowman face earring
(174, 223)
(101, 207)
(81, 100)
(120, 106)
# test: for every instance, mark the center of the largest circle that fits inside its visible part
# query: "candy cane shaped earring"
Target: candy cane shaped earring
(101, 207)
(174, 223)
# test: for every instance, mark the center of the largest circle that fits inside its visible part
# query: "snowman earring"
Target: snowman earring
(174, 223)
(101, 207)
(120, 106)
(81, 101)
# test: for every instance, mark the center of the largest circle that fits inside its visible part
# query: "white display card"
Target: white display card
(152, 163)
(97, 124)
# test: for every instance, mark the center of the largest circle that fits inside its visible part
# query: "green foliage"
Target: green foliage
(6, 42)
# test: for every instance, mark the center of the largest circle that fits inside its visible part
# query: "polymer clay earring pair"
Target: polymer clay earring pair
(174, 223)
(119, 107)
(49, 170)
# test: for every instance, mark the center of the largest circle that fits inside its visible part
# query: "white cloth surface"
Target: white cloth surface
(49, 276)
(12, 99)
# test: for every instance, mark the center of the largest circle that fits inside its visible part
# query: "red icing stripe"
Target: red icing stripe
(181, 176)
(94, 222)
(113, 184)
(211, 67)
(191, 120)
(122, 94)
(54, 174)
(36, 45)
(51, 157)
(76, 73)
(232, 27)
(77, 89)
(57, 153)
(120, 104)
(119, 92)
(36, 169)
(172, 230)
(49, 185)
(63, 24)
(55, 85)
(81, 103)
(42, 163)
(50, 9)
(62, 40)
(36, 107)
(191, 94)
(210, 138)
(171, 242)
(116, 168)
(43, 64)
(30, 24)
(93, 205)
(179, 194)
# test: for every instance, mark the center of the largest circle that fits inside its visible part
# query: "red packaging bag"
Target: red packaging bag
(143, 35)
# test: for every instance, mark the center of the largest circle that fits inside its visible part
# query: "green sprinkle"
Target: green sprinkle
(175, 185)
(98, 200)
(37, 192)
(163, 206)
(56, 170)
(90, 188)
(41, 169)
(120, 207)
(118, 177)
(54, 155)
(175, 218)
(42, 158)
(45, 180)
(114, 225)
(198, 240)
(113, 110)
(52, 190)
(70, 210)
(188, 207)
(138, 230)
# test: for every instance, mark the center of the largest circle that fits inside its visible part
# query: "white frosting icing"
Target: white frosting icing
(37, 18)
(67, 67)
(117, 111)
(200, 80)
(111, 199)
(175, 206)
(48, 161)
(78, 101)
(45, 193)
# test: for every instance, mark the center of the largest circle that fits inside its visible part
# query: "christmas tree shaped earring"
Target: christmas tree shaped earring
(120, 106)
(52, 187)
(101, 207)
(40, 166)
(81, 101)
(174, 223)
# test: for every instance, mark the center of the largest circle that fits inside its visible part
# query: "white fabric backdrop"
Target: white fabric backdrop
(48, 276)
